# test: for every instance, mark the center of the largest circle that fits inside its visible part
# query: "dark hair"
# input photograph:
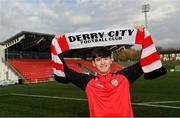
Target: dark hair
(100, 52)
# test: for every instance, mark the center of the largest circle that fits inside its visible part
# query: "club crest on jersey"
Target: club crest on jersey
(114, 82)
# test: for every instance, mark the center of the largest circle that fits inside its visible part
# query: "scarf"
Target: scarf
(150, 61)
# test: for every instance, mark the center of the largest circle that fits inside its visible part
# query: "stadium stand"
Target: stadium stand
(26, 57)
(35, 71)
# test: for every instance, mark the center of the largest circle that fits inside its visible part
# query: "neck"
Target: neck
(101, 73)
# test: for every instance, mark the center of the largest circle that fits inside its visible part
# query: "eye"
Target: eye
(98, 59)
(106, 58)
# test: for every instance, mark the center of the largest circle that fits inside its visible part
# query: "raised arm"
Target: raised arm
(79, 79)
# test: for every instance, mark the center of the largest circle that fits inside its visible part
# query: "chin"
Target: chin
(104, 72)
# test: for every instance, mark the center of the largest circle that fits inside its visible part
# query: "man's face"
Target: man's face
(102, 64)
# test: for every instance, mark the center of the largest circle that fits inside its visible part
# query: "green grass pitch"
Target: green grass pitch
(150, 98)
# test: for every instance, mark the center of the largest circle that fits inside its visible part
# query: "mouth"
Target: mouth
(103, 67)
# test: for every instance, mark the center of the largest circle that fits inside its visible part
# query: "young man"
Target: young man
(108, 93)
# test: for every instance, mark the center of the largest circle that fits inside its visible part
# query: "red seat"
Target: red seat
(33, 70)
(41, 70)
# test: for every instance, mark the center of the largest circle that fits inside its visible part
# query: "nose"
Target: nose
(102, 61)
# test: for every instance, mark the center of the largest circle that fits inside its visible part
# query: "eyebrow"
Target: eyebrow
(102, 57)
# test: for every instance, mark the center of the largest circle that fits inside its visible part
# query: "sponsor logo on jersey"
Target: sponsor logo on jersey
(100, 85)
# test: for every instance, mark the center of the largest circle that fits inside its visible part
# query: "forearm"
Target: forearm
(132, 73)
(79, 79)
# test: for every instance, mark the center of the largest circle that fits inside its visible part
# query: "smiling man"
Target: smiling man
(102, 60)
(108, 93)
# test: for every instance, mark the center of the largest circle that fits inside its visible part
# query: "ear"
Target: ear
(93, 63)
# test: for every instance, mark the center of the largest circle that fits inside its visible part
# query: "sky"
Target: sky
(67, 16)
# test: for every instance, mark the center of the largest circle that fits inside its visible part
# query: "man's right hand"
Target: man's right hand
(140, 28)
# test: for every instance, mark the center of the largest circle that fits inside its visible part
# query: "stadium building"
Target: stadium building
(26, 58)
(173, 55)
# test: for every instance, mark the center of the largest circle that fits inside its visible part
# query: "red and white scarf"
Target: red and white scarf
(150, 61)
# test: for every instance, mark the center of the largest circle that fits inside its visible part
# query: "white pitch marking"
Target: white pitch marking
(54, 97)
(152, 105)
(79, 99)
(159, 102)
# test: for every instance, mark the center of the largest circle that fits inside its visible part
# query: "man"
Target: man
(108, 93)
